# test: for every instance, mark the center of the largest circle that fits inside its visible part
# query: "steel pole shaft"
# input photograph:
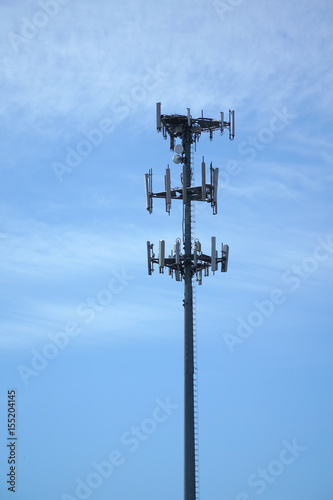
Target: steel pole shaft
(189, 446)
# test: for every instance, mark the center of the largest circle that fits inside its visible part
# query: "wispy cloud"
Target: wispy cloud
(69, 66)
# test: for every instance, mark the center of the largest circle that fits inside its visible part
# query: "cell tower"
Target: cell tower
(186, 260)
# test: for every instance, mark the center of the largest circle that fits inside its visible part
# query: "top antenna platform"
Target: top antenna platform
(176, 125)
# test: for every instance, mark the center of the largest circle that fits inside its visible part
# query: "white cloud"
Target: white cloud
(89, 55)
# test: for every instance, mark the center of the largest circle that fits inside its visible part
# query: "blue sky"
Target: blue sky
(92, 345)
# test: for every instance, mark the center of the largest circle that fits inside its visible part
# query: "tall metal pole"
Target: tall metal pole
(192, 261)
(189, 445)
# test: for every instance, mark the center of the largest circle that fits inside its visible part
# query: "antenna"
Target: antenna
(149, 257)
(203, 179)
(177, 260)
(222, 122)
(158, 117)
(161, 255)
(188, 117)
(177, 252)
(148, 189)
(186, 262)
(167, 180)
(225, 258)
(215, 189)
(177, 159)
(232, 125)
(179, 149)
(213, 254)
